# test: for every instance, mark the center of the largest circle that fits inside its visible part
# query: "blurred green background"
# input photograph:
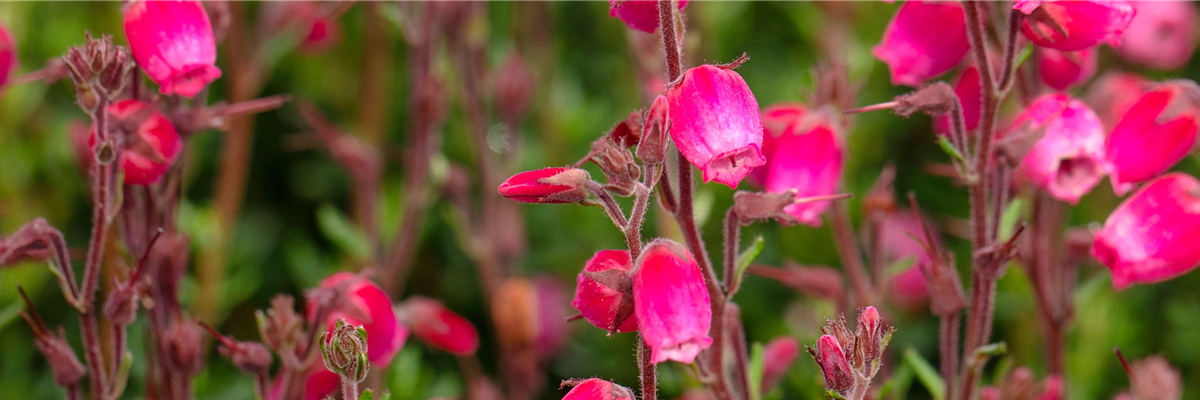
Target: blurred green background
(589, 82)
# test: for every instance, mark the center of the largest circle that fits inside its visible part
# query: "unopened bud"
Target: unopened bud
(834, 366)
(757, 206)
(344, 351)
(184, 347)
(251, 357)
(621, 171)
(121, 306)
(547, 185)
(778, 356)
(596, 389)
(653, 147)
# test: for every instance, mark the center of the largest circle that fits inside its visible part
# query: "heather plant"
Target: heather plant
(415, 238)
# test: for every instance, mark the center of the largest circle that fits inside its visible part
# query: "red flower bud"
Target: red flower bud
(1152, 236)
(870, 336)
(439, 327)
(173, 42)
(1156, 132)
(834, 365)
(923, 40)
(598, 389)
(1163, 35)
(778, 356)
(804, 152)
(8, 54)
(151, 149)
(638, 14)
(1074, 25)
(1063, 69)
(600, 293)
(715, 123)
(1068, 161)
(671, 302)
(547, 185)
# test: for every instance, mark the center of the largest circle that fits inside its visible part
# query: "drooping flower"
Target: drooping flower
(1113, 94)
(671, 302)
(1152, 136)
(151, 149)
(1163, 35)
(923, 40)
(173, 42)
(598, 389)
(547, 185)
(638, 14)
(1063, 69)
(1084, 24)
(8, 54)
(778, 356)
(1068, 161)
(1151, 237)
(715, 123)
(600, 302)
(834, 365)
(362, 304)
(439, 327)
(805, 152)
(970, 95)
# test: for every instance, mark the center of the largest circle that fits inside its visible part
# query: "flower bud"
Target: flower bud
(184, 346)
(99, 69)
(1063, 69)
(122, 304)
(671, 302)
(152, 145)
(1151, 236)
(652, 148)
(1068, 161)
(597, 389)
(359, 302)
(715, 123)
(872, 336)
(1074, 25)
(1163, 35)
(173, 42)
(834, 366)
(344, 350)
(8, 54)
(638, 14)
(804, 156)
(1157, 132)
(620, 169)
(547, 185)
(252, 357)
(64, 365)
(603, 291)
(778, 356)
(923, 40)
(280, 326)
(439, 327)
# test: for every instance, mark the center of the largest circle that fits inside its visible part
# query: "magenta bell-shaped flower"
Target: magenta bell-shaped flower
(1156, 132)
(924, 40)
(439, 327)
(149, 151)
(597, 301)
(638, 14)
(715, 123)
(1064, 69)
(671, 302)
(598, 389)
(1084, 23)
(8, 54)
(805, 152)
(1068, 161)
(1152, 236)
(1163, 35)
(173, 42)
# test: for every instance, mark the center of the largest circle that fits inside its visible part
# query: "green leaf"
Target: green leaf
(756, 363)
(928, 375)
(1008, 221)
(950, 150)
(898, 384)
(345, 235)
(747, 256)
(1024, 55)
(367, 395)
(899, 266)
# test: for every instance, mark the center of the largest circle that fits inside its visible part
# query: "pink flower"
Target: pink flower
(1085, 23)
(923, 40)
(1163, 35)
(362, 303)
(1068, 161)
(1152, 236)
(778, 356)
(173, 42)
(834, 365)
(970, 94)
(1063, 69)
(1154, 134)
(599, 303)
(638, 14)
(1052, 388)
(671, 302)
(439, 327)
(715, 123)
(896, 243)
(316, 30)
(552, 329)
(804, 153)
(1114, 93)
(151, 150)
(547, 185)
(598, 389)
(8, 54)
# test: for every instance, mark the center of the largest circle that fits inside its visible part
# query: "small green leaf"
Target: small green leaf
(748, 256)
(1024, 55)
(928, 375)
(899, 266)
(345, 235)
(1008, 221)
(950, 150)
(756, 365)
(367, 395)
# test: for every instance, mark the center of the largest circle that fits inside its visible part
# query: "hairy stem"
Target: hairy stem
(349, 389)
(851, 255)
(948, 338)
(102, 198)
(648, 372)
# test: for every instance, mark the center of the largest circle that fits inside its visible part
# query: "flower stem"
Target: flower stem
(847, 246)
(102, 198)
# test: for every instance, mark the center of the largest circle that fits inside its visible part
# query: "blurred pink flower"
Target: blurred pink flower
(638, 14)
(897, 233)
(1113, 94)
(1086, 23)
(1068, 161)
(8, 54)
(715, 123)
(597, 302)
(439, 327)
(1151, 237)
(173, 42)
(362, 303)
(804, 151)
(1156, 132)
(317, 30)
(598, 389)
(1063, 69)
(671, 302)
(1052, 388)
(778, 356)
(1163, 35)
(970, 94)
(552, 326)
(923, 40)
(546, 185)
(151, 150)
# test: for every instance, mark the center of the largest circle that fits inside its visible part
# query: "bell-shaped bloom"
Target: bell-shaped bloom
(1068, 161)
(362, 303)
(317, 31)
(598, 294)
(715, 123)
(897, 231)
(1063, 69)
(1163, 35)
(547, 185)
(1114, 93)
(1083, 24)
(778, 356)
(970, 95)
(1154, 134)
(1151, 237)
(150, 151)
(638, 14)
(173, 42)
(671, 302)
(835, 367)
(805, 152)
(439, 327)
(8, 54)
(598, 389)
(924, 40)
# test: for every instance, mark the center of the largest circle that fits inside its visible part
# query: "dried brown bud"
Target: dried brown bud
(935, 99)
(64, 365)
(121, 306)
(833, 85)
(515, 313)
(99, 69)
(621, 171)
(946, 294)
(628, 132)
(757, 206)
(183, 341)
(653, 147)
